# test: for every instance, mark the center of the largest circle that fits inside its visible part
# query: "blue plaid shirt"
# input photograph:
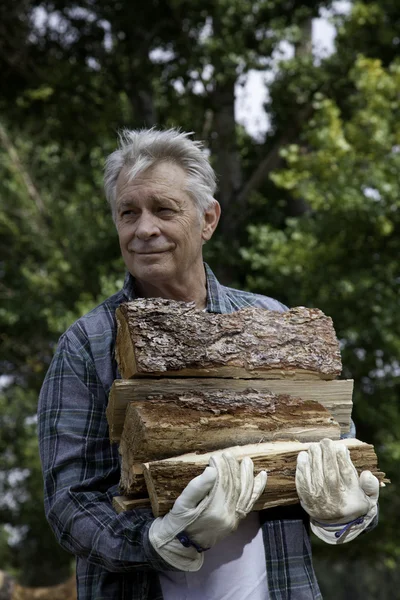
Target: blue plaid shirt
(82, 469)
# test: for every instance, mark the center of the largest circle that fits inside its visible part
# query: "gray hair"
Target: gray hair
(142, 148)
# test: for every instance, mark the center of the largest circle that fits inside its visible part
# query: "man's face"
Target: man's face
(160, 229)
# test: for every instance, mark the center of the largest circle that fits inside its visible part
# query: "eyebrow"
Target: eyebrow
(124, 204)
(128, 202)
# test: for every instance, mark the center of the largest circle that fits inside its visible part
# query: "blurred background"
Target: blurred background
(298, 104)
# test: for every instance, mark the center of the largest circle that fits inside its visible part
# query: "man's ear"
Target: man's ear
(210, 221)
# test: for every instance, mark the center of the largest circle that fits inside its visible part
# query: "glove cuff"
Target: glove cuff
(340, 533)
(185, 540)
(174, 552)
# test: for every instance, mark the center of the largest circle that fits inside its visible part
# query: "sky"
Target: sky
(250, 98)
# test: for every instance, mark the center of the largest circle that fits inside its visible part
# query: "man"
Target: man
(210, 546)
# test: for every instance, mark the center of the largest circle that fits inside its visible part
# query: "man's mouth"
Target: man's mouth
(150, 252)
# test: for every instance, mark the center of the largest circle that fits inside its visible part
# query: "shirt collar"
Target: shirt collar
(217, 299)
(128, 289)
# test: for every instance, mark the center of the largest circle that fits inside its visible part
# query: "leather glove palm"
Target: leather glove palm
(209, 508)
(333, 494)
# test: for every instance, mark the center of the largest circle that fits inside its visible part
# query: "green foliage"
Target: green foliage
(321, 229)
(342, 254)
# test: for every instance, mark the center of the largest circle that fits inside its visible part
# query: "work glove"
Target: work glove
(209, 509)
(340, 503)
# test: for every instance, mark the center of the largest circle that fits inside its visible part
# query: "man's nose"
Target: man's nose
(147, 226)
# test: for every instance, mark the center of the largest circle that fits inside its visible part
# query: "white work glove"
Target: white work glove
(209, 508)
(340, 503)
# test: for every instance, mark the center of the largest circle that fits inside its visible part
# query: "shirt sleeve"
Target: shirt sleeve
(81, 468)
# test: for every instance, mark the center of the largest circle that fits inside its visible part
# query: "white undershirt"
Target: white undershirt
(234, 569)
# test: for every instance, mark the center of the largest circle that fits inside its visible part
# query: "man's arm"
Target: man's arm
(81, 468)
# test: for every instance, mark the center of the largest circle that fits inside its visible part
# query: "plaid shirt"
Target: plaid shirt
(82, 469)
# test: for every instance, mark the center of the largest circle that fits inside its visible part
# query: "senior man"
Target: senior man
(210, 546)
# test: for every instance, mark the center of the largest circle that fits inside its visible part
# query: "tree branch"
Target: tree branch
(272, 160)
(22, 171)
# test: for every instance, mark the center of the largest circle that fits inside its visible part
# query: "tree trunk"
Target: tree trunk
(142, 103)
(228, 163)
(165, 337)
(166, 479)
(303, 48)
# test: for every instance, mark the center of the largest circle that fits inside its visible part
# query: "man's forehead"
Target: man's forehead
(162, 175)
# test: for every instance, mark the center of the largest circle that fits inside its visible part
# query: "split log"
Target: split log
(170, 424)
(123, 503)
(335, 396)
(132, 481)
(166, 479)
(158, 337)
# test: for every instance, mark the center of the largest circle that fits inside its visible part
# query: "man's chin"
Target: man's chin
(152, 272)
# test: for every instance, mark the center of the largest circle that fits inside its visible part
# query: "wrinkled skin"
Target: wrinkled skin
(161, 233)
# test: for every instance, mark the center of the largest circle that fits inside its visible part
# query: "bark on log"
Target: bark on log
(158, 337)
(171, 424)
(335, 396)
(166, 479)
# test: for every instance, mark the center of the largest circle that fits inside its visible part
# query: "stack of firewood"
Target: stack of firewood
(261, 383)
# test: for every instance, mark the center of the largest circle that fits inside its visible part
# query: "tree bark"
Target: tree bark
(166, 479)
(164, 337)
(335, 396)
